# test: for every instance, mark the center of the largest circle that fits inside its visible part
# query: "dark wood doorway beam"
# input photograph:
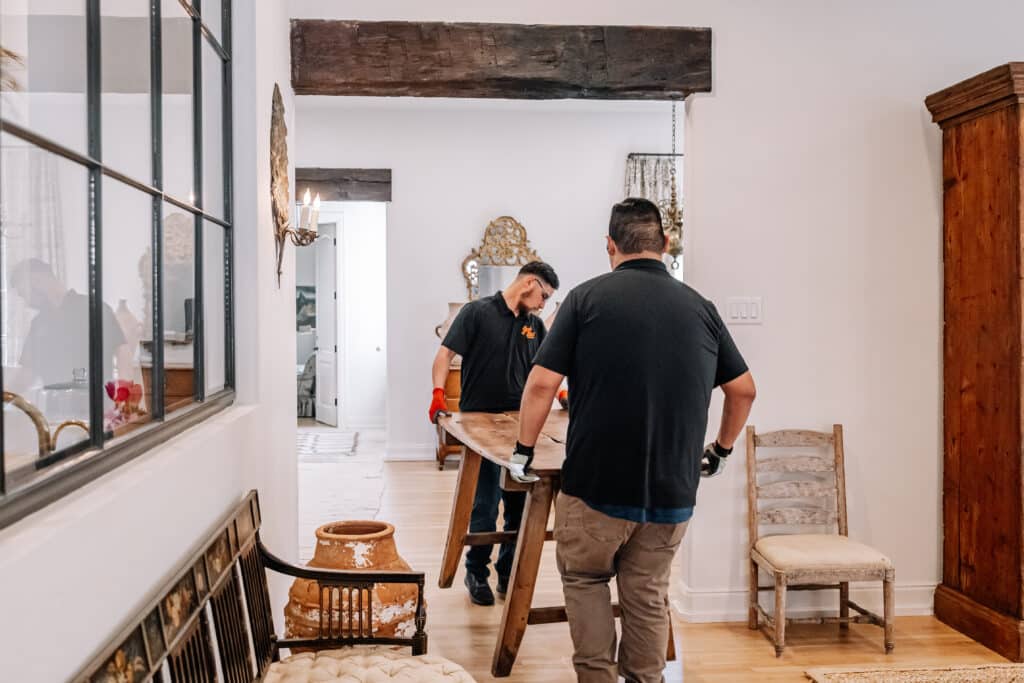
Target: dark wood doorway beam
(510, 61)
(345, 184)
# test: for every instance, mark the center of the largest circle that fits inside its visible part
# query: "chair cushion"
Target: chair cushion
(371, 664)
(819, 552)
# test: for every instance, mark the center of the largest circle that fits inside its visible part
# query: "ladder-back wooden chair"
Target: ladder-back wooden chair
(799, 490)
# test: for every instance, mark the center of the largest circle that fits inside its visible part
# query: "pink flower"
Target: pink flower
(123, 390)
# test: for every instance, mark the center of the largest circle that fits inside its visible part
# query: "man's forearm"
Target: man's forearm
(439, 373)
(735, 412)
(533, 411)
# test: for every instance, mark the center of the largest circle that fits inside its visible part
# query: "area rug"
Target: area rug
(325, 446)
(980, 673)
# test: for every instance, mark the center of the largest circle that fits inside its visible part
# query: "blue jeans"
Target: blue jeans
(485, 519)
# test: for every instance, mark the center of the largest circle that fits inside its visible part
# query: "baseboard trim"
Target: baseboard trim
(1000, 632)
(367, 425)
(705, 606)
(416, 452)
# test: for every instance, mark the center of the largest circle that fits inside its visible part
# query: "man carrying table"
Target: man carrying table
(642, 352)
(497, 337)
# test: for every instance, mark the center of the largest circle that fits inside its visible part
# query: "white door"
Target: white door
(363, 240)
(327, 326)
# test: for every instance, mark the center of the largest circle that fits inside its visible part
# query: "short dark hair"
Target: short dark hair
(542, 270)
(635, 226)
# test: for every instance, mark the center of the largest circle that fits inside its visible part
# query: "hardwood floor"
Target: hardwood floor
(416, 497)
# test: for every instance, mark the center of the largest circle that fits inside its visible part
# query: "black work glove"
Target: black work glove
(713, 461)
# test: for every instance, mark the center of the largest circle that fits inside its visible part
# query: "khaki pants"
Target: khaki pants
(592, 548)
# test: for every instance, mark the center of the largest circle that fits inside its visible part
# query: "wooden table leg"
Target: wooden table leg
(458, 523)
(442, 446)
(670, 653)
(532, 532)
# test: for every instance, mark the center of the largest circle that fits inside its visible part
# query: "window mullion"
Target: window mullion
(229, 201)
(198, 356)
(95, 239)
(156, 99)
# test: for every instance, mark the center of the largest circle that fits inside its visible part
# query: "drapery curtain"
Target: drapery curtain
(650, 177)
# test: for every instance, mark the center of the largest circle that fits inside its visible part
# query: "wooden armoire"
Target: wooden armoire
(982, 590)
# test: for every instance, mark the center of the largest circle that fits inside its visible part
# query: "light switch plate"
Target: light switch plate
(744, 310)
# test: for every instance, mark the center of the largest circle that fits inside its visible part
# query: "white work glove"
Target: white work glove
(713, 461)
(519, 464)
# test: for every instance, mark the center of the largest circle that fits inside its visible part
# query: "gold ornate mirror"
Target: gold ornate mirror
(495, 263)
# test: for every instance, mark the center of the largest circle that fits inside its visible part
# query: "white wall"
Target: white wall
(813, 178)
(557, 167)
(265, 310)
(121, 535)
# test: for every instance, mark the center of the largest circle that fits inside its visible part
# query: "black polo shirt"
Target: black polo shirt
(497, 348)
(642, 352)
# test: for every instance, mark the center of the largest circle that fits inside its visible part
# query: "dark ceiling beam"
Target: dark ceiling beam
(511, 61)
(345, 184)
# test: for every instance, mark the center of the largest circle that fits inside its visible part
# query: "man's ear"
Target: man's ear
(610, 245)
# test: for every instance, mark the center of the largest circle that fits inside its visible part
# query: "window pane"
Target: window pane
(213, 305)
(128, 305)
(213, 132)
(212, 18)
(178, 306)
(44, 300)
(126, 85)
(44, 68)
(178, 142)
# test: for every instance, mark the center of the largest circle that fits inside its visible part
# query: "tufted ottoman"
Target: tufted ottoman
(373, 664)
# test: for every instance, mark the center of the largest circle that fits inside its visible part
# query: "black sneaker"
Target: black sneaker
(501, 587)
(479, 591)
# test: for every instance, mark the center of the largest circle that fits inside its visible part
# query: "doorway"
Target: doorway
(341, 292)
(341, 318)
(361, 312)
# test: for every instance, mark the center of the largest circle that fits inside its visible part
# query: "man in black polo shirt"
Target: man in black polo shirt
(642, 352)
(497, 337)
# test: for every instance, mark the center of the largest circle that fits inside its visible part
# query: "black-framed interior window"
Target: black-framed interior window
(115, 234)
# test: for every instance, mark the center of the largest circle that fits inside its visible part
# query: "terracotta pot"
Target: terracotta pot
(362, 544)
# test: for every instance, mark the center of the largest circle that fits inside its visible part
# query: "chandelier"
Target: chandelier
(674, 215)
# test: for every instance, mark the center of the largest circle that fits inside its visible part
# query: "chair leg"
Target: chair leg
(888, 596)
(752, 613)
(844, 605)
(780, 613)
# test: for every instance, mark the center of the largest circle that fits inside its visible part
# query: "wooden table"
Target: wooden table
(493, 436)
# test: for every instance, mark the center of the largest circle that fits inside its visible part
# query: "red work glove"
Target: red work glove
(438, 404)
